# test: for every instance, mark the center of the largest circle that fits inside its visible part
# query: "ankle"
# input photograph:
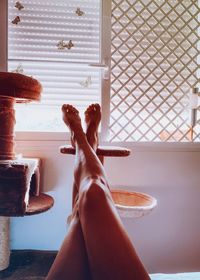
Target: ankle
(93, 141)
(80, 138)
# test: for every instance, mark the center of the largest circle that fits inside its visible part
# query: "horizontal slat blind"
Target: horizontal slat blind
(55, 42)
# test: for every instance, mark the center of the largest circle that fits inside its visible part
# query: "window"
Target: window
(150, 46)
(58, 43)
(154, 67)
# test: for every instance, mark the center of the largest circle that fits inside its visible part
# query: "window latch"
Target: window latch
(104, 67)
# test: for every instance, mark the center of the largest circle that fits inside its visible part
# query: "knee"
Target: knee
(93, 196)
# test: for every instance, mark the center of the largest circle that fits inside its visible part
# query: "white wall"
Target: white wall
(167, 240)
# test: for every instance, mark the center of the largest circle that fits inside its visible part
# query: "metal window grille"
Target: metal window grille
(154, 67)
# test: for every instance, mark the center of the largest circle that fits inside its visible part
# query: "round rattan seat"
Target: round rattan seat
(133, 204)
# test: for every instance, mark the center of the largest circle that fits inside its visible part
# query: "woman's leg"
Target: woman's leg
(109, 250)
(71, 261)
(92, 121)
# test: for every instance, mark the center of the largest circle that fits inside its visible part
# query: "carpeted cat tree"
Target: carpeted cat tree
(16, 174)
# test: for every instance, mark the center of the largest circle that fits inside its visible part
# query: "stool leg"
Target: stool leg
(4, 242)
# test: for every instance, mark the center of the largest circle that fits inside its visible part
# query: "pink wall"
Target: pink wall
(167, 239)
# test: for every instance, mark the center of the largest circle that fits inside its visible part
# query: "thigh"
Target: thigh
(110, 251)
(71, 261)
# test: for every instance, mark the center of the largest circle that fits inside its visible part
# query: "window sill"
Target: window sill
(45, 140)
(42, 136)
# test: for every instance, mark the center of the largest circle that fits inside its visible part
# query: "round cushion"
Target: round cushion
(21, 87)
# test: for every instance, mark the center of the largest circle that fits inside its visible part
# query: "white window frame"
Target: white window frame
(104, 63)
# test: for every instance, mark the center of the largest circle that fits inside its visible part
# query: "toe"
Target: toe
(90, 108)
(87, 110)
(97, 106)
(66, 108)
(75, 110)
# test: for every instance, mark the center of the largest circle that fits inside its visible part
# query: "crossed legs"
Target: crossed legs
(97, 245)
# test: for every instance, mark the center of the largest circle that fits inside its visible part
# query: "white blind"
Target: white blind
(55, 42)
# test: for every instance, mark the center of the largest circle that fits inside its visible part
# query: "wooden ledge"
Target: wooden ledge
(106, 151)
(39, 204)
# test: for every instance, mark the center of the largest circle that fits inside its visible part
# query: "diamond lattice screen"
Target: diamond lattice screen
(154, 67)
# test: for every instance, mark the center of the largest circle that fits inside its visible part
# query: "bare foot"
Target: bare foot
(72, 120)
(92, 120)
